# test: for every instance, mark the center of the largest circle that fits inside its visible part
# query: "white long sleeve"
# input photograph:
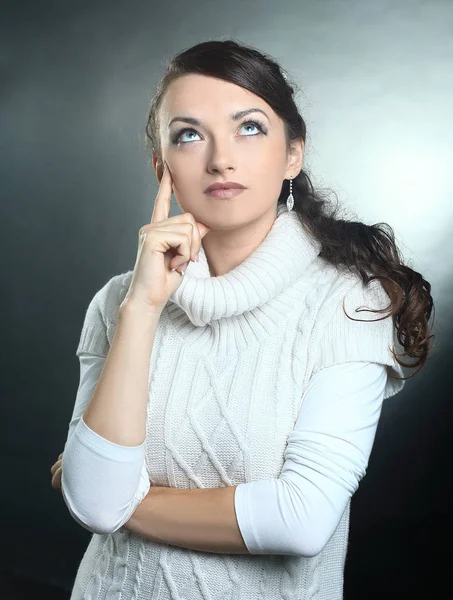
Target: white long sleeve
(99, 477)
(325, 459)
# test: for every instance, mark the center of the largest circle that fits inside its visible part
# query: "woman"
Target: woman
(227, 409)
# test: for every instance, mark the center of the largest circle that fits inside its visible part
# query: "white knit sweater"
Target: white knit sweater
(103, 483)
(232, 361)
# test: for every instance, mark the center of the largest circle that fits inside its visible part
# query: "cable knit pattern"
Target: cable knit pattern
(231, 360)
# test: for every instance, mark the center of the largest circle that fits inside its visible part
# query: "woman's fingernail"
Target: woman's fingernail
(197, 258)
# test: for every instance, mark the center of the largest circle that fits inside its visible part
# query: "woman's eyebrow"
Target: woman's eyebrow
(235, 116)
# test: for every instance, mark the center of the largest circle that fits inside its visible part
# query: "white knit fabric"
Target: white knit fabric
(232, 359)
(326, 457)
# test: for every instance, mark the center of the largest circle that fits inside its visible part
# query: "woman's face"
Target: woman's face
(221, 149)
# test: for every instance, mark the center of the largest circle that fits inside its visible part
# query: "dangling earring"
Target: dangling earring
(290, 199)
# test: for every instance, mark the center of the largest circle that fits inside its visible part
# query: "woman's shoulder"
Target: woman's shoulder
(332, 288)
(109, 297)
(342, 281)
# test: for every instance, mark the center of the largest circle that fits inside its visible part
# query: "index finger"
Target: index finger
(163, 198)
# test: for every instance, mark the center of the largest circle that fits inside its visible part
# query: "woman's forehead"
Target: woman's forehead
(198, 94)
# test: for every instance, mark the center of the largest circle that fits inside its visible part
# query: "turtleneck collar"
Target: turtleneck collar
(279, 261)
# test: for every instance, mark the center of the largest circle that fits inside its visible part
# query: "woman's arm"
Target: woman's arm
(199, 519)
(102, 461)
(118, 408)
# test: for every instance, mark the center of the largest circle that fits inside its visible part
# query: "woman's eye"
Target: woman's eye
(251, 124)
(178, 139)
(179, 136)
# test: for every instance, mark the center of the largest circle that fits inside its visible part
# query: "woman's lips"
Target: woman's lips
(225, 192)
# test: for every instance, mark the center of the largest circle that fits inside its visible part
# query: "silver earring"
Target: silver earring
(290, 199)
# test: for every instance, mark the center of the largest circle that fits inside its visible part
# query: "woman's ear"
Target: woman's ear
(296, 157)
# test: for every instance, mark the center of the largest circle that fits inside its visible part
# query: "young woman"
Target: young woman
(232, 382)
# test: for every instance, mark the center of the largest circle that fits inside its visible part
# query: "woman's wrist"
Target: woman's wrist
(134, 306)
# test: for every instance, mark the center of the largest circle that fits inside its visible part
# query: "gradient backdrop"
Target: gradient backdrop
(76, 186)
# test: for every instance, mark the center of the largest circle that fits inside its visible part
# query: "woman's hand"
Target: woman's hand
(56, 471)
(165, 244)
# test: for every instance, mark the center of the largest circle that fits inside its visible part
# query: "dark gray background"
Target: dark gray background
(76, 186)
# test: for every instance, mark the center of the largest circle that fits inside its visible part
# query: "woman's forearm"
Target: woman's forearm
(117, 410)
(199, 519)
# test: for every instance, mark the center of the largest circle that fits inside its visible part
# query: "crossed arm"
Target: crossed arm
(201, 519)
(331, 461)
(198, 519)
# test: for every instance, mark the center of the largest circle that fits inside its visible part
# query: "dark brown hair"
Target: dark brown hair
(368, 250)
